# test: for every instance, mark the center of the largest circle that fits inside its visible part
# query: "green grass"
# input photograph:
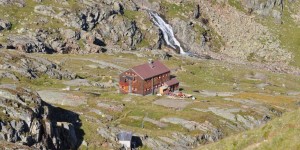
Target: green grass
(281, 133)
(4, 117)
(173, 10)
(132, 15)
(236, 4)
(143, 43)
(43, 82)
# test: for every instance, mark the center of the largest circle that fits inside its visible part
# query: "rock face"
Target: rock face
(272, 8)
(27, 120)
(202, 27)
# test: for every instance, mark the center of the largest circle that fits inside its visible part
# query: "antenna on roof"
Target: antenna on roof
(150, 61)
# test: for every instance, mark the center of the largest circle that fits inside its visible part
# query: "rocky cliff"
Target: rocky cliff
(26, 119)
(232, 28)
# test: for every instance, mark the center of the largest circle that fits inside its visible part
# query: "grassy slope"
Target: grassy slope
(280, 133)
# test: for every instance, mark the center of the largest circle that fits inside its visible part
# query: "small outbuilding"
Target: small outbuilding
(125, 138)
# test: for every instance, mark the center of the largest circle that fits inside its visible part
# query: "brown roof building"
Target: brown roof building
(147, 79)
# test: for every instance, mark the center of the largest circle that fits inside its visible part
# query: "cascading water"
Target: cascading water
(167, 30)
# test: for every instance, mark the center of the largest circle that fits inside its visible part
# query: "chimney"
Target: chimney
(150, 61)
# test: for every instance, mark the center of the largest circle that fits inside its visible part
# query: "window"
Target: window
(134, 89)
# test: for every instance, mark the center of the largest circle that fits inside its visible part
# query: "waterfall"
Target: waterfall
(167, 30)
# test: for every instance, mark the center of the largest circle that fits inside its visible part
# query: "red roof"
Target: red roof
(171, 82)
(148, 70)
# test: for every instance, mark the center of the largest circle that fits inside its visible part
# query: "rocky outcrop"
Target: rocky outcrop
(27, 44)
(27, 120)
(31, 67)
(173, 141)
(111, 28)
(86, 19)
(19, 3)
(117, 30)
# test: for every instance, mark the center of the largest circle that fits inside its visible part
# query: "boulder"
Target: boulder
(196, 14)
(69, 34)
(27, 44)
(5, 25)
(44, 10)
(277, 16)
(118, 8)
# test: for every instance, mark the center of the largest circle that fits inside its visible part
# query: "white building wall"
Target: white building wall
(127, 144)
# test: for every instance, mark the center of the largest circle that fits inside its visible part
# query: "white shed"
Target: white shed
(125, 139)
